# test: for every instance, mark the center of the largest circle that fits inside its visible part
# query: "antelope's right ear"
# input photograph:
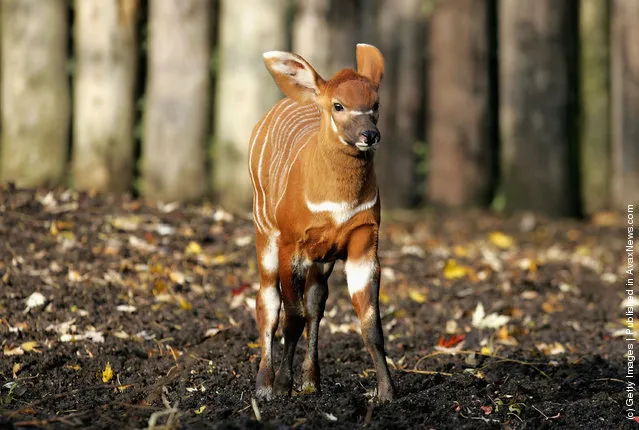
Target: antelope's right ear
(295, 77)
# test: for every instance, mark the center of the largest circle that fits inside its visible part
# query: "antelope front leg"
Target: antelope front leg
(363, 274)
(292, 278)
(268, 312)
(315, 297)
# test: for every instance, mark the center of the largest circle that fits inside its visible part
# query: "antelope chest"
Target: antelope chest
(327, 235)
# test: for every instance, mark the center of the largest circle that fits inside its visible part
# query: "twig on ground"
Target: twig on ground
(498, 357)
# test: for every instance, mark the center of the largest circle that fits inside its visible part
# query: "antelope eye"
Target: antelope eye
(376, 106)
(338, 107)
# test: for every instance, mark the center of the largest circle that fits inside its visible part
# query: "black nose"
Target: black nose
(370, 137)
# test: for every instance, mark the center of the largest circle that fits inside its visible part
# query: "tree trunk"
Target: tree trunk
(35, 92)
(325, 33)
(625, 103)
(311, 35)
(595, 96)
(104, 93)
(462, 141)
(245, 90)
(401, 40)
(537, 101)
(176, 122)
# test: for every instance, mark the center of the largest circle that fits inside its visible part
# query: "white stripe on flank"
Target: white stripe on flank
(285, 148)
(359, 275)
(273, 126)
(257, 184)
(340, 211)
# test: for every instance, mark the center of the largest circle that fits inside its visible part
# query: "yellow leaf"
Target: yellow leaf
(219, 259)
(184, 304)
(383, 297)
(502, 333)
(193, 248)
(416, 296)
(123, 387)
(16, 368)
(75, 367)
(486, 350)
(29, 346)
(107, 373)
(452, 270)
(253, 345)
(200, 410)
(53, 230)
(500, 240)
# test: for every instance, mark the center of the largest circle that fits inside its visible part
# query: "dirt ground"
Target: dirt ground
(115, 314)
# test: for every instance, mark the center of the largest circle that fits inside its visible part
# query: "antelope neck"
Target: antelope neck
(337, 176)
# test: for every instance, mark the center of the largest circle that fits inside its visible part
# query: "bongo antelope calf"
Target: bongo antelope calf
(316, 201)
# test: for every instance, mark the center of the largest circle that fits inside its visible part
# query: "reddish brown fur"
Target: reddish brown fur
(316, 201)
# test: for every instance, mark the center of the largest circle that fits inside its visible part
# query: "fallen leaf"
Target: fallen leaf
(416, 296)
(253, 345)
(193, 248)
(15, 369)
(200, 410)
(481, 320)
(452, 270)
(450, 341)
(30, 346)
(107, 373)
(12, 351)
(500, 240)
(184, 304)
(487, 409)
(34, 300)
(126, 308)
(551, 349)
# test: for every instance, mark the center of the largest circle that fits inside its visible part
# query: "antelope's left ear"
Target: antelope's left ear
(370, 62)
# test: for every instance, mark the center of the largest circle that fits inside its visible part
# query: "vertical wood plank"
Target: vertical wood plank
(35, 92)
(245, 90)
(461, 137)
(625, 103)
(176, 121)
(537, 94)
(104, 84)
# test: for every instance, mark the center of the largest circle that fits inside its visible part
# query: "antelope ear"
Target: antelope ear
(370, 62)
(295, 77)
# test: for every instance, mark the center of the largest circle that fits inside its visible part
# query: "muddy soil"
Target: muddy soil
(117, 314)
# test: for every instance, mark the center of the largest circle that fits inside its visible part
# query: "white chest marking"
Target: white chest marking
(340, 211)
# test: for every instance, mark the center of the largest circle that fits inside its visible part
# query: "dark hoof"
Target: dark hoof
(283, 385)
(264, 384)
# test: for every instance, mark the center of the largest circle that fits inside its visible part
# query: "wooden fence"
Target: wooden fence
(518, 104)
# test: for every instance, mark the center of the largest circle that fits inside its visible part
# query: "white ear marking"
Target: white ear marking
(301, 74)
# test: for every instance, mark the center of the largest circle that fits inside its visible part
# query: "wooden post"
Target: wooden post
(625, 102)
(538, 93)
(463, 141)
(400, 36)
(312, 35)
(245, 90)
(595, 147)
(35, 92)
(176, 121)
(105, 72)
